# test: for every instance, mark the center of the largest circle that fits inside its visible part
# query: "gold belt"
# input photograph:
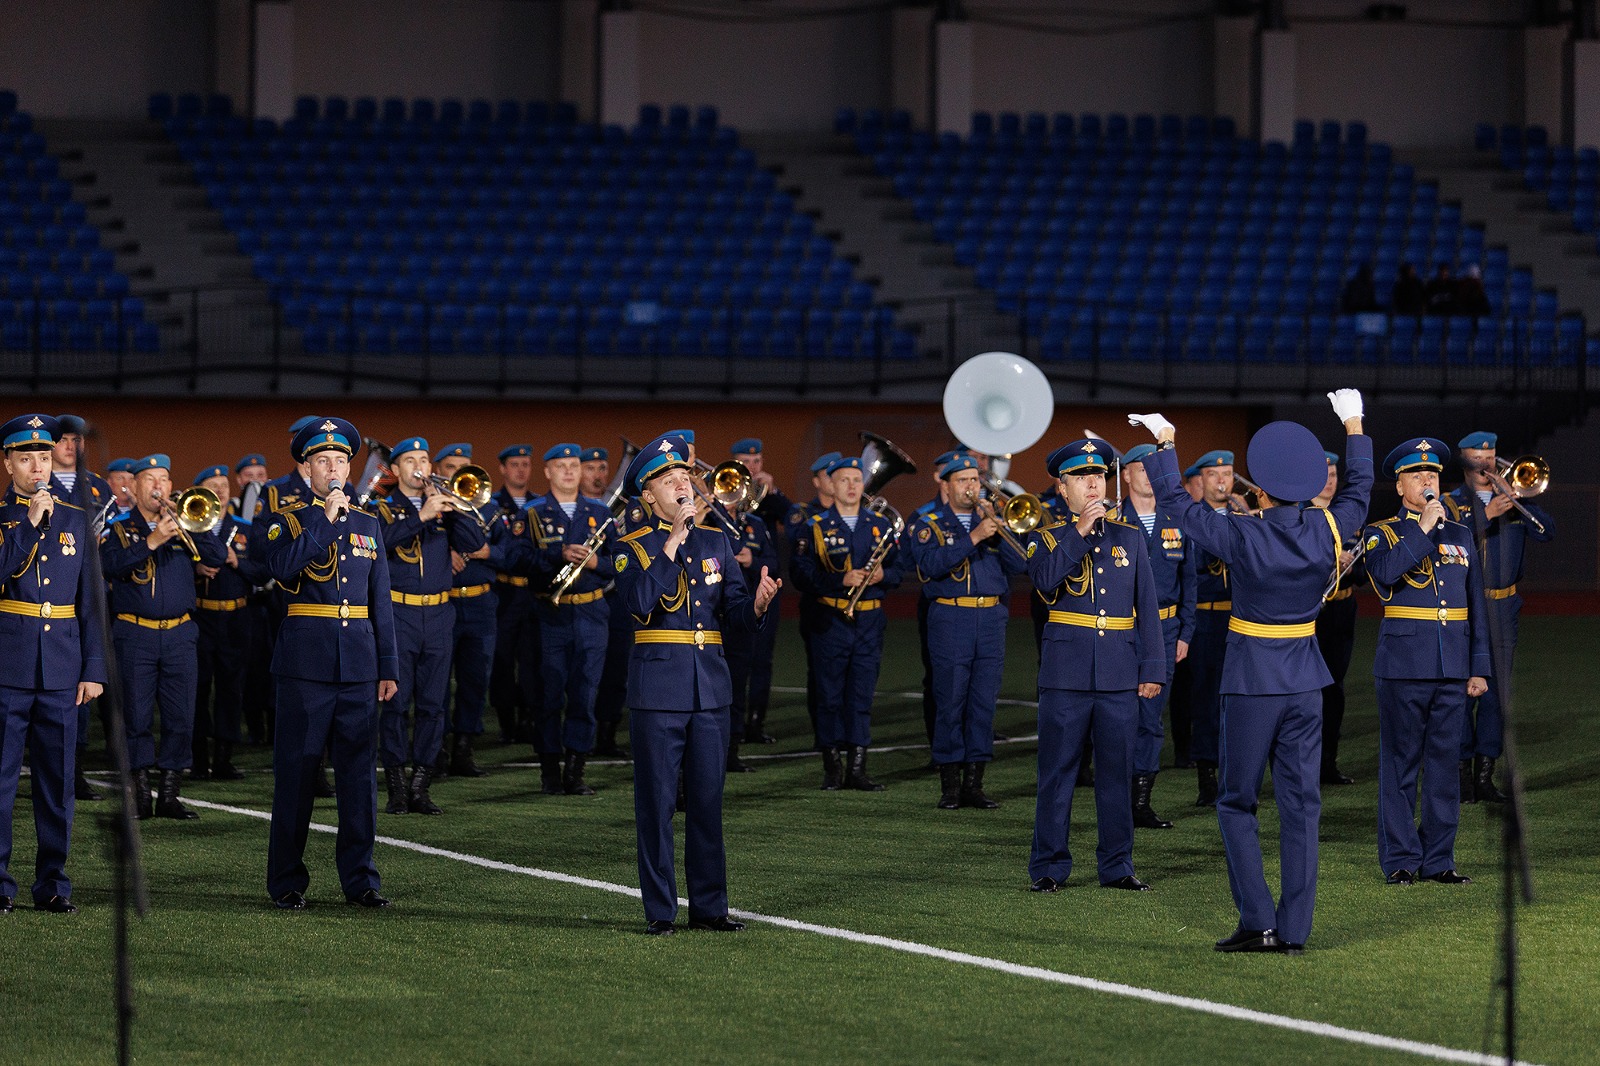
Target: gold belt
(432, 599)
(1090, 621)
(1428, 614)
(841, 602)
(699, 638)
(1169, 612)
(1501, 594)
(1272, 630)
(468, 592)
(512, 579)
(1342, 594)
(1215, 605)
(154, 623)
(582, 597)
(326, 610)
(968, 601)
(39, 610)
(222, 605)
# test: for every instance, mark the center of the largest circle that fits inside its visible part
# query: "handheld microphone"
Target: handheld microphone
(344, 512)
(44, 522)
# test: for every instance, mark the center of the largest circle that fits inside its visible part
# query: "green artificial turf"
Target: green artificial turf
(476, 965)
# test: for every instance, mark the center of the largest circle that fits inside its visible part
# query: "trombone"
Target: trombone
(198, 511)
(468, 489)
(730, 484)
(1018, 513)
(1516, 479)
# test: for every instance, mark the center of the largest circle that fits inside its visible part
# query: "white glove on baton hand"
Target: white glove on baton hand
(1346, 403)
(1153, 422)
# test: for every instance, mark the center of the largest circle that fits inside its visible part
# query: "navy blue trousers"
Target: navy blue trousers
(515, 688)
(314, 716)
(611, 695)
(1147, 746)
(47, 724)
(1483, 723)
(572, 650)
(1066, 719)
(158, 666)
(847, 656)
(665, 743)
(749, 658)
(1419, 724)
(1287, 730)
(1336, 638)
(422, 642)
(967, 648)
(1206, 652)
(474, 638)
(223, 647)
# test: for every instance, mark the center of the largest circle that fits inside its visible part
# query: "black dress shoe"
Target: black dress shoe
(56, 905)
(1046, 884)
(660, 929)
(1402, 877)
(290, 901)
(1446, 877)
(723, 924)
(1286, 948)
(1129, 883)
(369, 898)
(6, 906)
(1336, 776)
(1250, 940)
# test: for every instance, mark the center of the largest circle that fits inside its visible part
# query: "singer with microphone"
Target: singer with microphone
(683, 585)
(1433, 656)
(334, 661)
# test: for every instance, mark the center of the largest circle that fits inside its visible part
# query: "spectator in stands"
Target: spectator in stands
(1471, 297)
(1408, 296)
(1440, 294)
(1360, 294)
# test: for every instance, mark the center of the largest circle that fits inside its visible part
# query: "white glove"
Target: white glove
(1346, 403)
(1153, 422)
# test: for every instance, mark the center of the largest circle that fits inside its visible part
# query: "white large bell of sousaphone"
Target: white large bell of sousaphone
(998, 403)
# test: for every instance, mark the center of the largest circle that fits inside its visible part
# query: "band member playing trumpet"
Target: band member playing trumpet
(964, 564)
(422, 525)
(152, 570)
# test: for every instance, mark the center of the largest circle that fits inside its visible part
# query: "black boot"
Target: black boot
(320, 786)
(81, 789)
(394, 781)
(421, 802)
(142, 807)
(605, 742)
(972, 794)
(755, 728)
(462, 764)
(1483, 780)
(200, 762)
(858, 779)
(1143, 816)
(949, 786)
(572, 776)
(1469, 784)
(550, 775)
(167, 804)
(441, 762)
(832, 776)
(222, 768)
(735, 765)
(1206, 774)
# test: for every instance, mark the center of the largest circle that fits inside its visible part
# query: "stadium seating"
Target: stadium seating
(1174, 237)
(484, 228)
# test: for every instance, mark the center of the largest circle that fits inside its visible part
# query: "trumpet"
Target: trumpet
(569, 572)
(468, 489)
(1516, 479)
(880, 550)
(198, 511)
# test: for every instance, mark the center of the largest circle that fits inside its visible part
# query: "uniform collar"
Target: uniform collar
(1408, 513)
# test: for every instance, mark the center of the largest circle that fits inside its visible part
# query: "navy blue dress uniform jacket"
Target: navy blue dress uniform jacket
(46, 566)
(679, 607)
(1080, 576)
(90, 491)
(1507, 535)
(950, 565)
(1171, 564)
(331, 566)
(483, 571)
(829, 548)
(1433, 602)
(556, 531)
(763, 552)
(232, 583)
(419, 551)
(153, 583)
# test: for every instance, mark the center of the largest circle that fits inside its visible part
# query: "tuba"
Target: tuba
(999, 404)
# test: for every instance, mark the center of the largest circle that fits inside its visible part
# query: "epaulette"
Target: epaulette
(536, 501)
(294, 504)
(1387, 521)
(384, 512)
(1119, 522)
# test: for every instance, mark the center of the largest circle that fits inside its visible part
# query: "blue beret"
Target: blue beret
(1081, 457)
(595, 455)
(956, 465)
(1332, 457)
(158, 461)
(516, 450)
(563, 451)
(120, 466)
(333, 434)
(1215, 457)
(1138, 453)
(71, 424)
(847, 462)
(746, 446)
(1480, 439)
(30, 430)
(685, 435)
(210, 472)
(250, 460)
(462, 450)
(1287, 460)
(823, 461)
(945, 457)
(666, 452)
(1419, 453)
(410, 444)
(302, 423)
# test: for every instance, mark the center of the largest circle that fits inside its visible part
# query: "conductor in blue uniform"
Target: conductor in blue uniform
(54, 661)
(1433, 655)
(334, 661)
(683, 586)
(1279, 565)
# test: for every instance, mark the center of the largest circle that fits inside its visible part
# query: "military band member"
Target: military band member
(930, 706)
(1103, 650)
(595, 463)
(749, 655)
(848, 651)
(1208, 648)
(1279, 564)
(1172, 566)
(335, 662)
(797, 527)
(775, 506)
(684, 588)
(611, 695)
(421, 527)
(119, 475)
(250, 470)
(472, 639)
(1500, 534)
(514, 682)
(1336, 636)
(223, 640)
(54, 662)
(1433, 655)
(965, 566)
(153, 602)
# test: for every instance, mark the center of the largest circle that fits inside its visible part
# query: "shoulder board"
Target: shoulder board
(292, 522)
(1057, 524)
(362, 511)
(816, 519)
(292, 505)
(384, 512)
(1120, 522)
(636, 534)
(536, 501)
(68, 506)
(1387, 521)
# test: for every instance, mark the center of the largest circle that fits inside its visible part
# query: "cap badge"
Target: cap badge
(34, 422)
(329, 426)
(666, 446)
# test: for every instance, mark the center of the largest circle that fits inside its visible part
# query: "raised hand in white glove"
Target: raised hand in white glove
(1346, 403)
(1153, 422)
